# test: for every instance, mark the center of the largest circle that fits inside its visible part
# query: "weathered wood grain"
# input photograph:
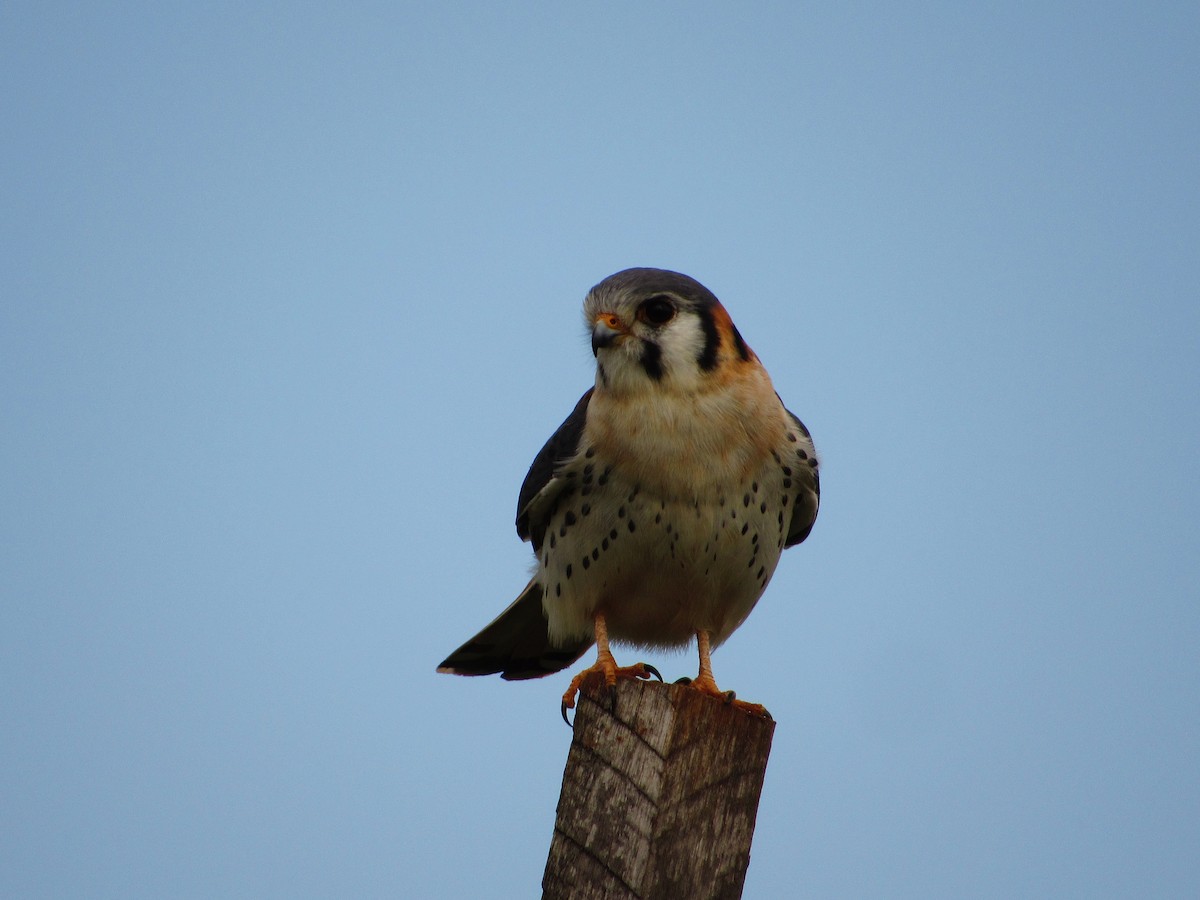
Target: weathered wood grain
(659, 798)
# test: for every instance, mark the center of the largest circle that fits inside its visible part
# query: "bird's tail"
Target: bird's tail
(516, 645)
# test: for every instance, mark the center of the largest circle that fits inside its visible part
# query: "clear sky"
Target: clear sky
(290, 298)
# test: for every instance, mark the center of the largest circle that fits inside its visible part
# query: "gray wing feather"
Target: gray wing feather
(563, 445)
(804, 511)
(516, 645)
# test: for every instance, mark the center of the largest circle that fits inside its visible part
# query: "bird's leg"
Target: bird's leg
(706, 684)
(605, 665)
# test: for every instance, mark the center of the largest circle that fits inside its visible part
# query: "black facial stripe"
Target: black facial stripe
(652, 360)
(712, 340)
(742, 350)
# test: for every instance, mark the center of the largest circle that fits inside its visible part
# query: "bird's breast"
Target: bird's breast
(685, 446)
(669, 520)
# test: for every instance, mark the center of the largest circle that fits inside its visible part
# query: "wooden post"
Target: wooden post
(659, 799)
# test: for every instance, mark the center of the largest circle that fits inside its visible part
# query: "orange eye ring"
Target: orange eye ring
(612, 320)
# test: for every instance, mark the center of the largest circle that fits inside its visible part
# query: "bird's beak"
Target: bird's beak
(605, 331)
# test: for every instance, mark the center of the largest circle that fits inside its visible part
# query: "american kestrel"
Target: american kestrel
(659, 509)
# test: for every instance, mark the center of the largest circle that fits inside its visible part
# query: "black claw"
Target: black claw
(683, 680)
(564, 715)
(612, 699)
(653, 671)
(730, 696)
(767, 715)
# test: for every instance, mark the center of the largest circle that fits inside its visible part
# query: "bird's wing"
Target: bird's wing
(804, 511)
(541, 485)
(517, 643)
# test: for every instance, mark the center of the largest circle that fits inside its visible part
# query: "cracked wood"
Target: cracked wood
(659, 797)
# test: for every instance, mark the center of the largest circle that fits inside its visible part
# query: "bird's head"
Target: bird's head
(652, 329)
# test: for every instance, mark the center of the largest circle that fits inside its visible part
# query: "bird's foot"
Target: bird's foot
(610, 671)
(706, 684)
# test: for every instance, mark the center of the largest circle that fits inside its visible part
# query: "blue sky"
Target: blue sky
(291, 298)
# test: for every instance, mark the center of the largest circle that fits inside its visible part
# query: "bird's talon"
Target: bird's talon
(605, 667)
(564, 715)
(705, 684)
(683, 680)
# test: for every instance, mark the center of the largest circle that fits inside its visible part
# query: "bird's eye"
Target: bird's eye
(657, 311)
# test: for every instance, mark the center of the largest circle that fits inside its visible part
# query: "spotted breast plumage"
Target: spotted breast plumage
(659, 509)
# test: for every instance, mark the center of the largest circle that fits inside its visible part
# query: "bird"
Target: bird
(659, 509)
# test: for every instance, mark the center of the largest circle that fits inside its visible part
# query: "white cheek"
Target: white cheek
(682, 343)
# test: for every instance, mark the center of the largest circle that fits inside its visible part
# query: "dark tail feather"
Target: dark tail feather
(516, 645)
